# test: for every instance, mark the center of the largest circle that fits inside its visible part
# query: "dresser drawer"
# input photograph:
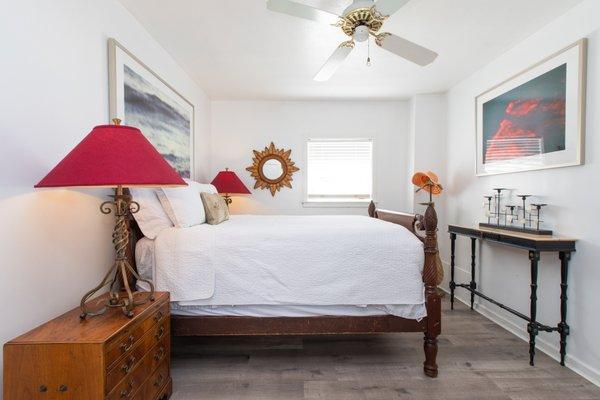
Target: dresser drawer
(147, 346)
(155, 385)
(123, 343)
(165, 393)
(134, 381)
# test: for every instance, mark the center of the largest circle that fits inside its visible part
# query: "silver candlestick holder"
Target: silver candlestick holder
(521, 217)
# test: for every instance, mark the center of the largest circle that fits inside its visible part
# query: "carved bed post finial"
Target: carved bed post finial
(372, 209)
(432, 298)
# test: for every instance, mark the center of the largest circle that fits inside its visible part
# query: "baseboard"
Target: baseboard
(573, 363)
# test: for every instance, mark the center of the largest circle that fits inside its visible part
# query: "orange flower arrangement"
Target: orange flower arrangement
(427, 181)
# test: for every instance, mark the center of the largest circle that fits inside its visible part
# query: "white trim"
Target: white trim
(340, 139)
(574, 364)
(335, 204)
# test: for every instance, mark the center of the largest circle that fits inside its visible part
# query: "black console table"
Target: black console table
(535, 244)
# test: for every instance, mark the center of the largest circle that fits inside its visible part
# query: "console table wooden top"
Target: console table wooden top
(518, 239)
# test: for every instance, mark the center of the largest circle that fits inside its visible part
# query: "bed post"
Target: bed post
(372, 209)
(432, 298)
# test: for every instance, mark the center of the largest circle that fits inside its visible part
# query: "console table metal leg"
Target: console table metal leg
(532, 327)
(452, 283)
(563, 328)
(473, 285)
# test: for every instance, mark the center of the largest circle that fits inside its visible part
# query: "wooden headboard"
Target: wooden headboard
(135, 234)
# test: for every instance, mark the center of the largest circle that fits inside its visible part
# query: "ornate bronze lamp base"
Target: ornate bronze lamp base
(119, 272)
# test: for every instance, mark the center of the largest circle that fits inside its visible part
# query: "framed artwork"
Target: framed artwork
(140, 98)
(534, 120)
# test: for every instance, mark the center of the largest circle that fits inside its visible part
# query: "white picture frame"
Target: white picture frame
(139, 97)
(535, 132)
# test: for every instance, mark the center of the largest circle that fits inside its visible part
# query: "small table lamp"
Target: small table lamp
(227, 183)
(118, 157)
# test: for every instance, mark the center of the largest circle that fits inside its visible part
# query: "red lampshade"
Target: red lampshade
(113, 155)
(227, 182)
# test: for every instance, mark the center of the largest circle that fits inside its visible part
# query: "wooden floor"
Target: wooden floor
(477, 360)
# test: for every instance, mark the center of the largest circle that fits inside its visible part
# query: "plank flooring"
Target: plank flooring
(478, 360)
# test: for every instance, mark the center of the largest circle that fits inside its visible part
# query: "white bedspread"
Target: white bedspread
(308, 260)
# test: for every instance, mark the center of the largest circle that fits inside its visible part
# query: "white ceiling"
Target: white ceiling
(237, 49)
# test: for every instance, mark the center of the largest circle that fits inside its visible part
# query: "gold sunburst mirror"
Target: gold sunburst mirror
(272, 168)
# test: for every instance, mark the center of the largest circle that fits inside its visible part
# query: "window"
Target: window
(339, 170)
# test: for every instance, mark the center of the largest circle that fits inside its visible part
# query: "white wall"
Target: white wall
(427, 147)
(55, 245)
(238, 127)
(571, 192)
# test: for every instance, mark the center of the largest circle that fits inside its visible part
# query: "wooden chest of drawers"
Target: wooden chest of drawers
(108, 357)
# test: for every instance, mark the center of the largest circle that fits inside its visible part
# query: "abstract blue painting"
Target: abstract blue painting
(140, 98)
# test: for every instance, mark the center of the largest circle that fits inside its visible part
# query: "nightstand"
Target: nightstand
(105, 357)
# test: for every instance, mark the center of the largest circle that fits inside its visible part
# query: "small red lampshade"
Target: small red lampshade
(110, 156)
(227, 182)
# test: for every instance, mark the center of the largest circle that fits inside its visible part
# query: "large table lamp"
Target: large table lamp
(119, 157)
(228, 183)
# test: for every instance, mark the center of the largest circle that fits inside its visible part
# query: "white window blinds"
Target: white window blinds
(339, 170)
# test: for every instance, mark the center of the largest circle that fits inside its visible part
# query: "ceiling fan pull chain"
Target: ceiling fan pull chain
(368, 53)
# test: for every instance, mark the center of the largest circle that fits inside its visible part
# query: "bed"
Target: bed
(295, 275)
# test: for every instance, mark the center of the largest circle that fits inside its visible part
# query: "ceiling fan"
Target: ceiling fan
(361, 19)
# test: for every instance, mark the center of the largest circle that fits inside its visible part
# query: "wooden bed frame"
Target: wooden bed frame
(326, 325)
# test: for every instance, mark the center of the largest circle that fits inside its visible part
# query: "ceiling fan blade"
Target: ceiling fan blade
(387, 7)
(405, 49)
(334, 61)
(302, 11)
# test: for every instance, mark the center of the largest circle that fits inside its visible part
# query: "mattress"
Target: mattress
(333, 265)
(402, 310)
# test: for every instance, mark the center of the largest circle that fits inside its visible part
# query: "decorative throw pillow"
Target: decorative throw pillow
(151, 217)
(215, 208)
(183, 205)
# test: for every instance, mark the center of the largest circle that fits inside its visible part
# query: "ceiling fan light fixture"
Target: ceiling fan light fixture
(361, 33)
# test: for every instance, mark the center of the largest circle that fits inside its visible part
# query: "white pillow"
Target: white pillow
(151, 217)
(183, 205)
(206, 188)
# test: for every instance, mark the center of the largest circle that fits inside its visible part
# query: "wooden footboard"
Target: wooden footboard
(409, 221)
(430, 326)
(433, 322)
